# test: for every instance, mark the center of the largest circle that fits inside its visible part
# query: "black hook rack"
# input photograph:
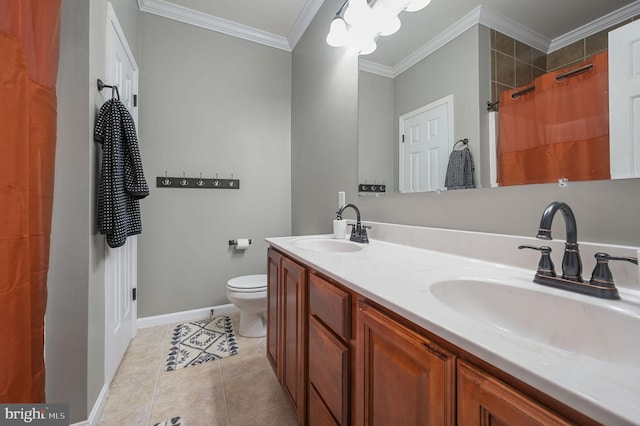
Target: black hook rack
(114, 89)
(191, 182)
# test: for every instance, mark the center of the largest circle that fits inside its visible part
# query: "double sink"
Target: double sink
(507, 301)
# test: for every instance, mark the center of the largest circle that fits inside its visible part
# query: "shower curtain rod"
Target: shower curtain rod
(493, 106)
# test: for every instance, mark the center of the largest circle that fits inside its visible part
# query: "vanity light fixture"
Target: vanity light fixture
(358, 23)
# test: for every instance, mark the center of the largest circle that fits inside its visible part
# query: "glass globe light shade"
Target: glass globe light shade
(357, 12)
(416, 5)
(367, 47)
(337, 36)
(391, 26)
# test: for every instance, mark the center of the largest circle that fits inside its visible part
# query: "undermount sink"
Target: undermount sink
(327, 245)
(589, 329)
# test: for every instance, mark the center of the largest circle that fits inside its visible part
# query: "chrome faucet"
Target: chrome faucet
(601, 283)
(358, 232)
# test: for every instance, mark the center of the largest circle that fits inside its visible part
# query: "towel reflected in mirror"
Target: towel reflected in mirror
(460, 169)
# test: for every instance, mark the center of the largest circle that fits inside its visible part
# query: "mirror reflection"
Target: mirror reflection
(471, 62)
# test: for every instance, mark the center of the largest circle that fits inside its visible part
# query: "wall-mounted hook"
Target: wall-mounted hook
(114, 89)
(166, 181)
(200, 181)
(375, 187)
(184, 181)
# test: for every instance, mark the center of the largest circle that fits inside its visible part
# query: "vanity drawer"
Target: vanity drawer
(329, 372)
(331, 305)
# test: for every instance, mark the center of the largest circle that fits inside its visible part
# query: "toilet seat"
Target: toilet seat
(248, 284)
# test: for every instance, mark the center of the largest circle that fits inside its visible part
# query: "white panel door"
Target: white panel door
(415, 155)
(121, 268)
(624, 101)
(425, 142)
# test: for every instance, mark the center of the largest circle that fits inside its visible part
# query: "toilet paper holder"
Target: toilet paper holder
(235, 242)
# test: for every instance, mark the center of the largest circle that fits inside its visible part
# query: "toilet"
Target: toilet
(249, 294)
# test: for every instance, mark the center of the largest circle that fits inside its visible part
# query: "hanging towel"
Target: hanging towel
(460, 170)
(122, 181)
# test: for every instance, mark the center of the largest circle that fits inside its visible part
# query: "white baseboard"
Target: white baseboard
(96, 411)
(165, 319)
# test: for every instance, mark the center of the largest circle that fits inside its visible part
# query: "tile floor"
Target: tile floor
(239, 390)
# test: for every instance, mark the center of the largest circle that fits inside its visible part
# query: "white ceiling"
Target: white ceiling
(281, 23)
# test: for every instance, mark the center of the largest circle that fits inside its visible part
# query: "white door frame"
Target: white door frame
(120, 263)
(624, 101)
(448, 101)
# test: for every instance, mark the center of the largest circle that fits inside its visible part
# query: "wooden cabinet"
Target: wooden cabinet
(402, 378)
(329, 353)
(286, 327)
(376, 368)
(273, 318)
(293, 281)
(319, 414)
(484, 400)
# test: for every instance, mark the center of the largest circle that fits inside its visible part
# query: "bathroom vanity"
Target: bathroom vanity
(389, 333)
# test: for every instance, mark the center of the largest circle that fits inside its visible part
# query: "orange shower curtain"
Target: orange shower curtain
(29, 44)
(559, 130)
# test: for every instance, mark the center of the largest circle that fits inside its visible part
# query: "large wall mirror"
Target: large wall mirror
(470, 51)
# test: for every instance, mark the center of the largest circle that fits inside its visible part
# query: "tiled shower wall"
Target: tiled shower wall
(515, 64)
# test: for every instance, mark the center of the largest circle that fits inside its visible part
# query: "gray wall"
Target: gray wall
(67, 304)
(75, 307)
(377, 140)
(209, 103)
(606, 211)
(450, 70)
(324, 131)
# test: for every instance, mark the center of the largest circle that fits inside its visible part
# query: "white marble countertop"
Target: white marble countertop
(398, 277)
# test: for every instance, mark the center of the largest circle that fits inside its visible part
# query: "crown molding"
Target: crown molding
(513, 29)
(596, 26)
(479, 15)
(374, 68)
(488, 18)
(303, 21)
(203, 20)
(459, 27)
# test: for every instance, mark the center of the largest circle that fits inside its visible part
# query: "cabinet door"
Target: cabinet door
(319, 414)
(485, 400)
(329, 371)
(292, 330)
(402, 377)
(273, 295)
